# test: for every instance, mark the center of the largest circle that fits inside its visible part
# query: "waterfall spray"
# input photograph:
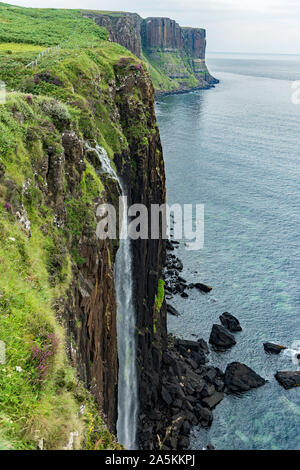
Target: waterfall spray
(126, 320)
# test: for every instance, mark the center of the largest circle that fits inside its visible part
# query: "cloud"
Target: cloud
(232, 25)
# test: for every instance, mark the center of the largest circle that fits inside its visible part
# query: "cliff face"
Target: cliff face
(161, 33)
(146, 183)
(175, 55)
(123, 29)
(194, 40)
(101, 95)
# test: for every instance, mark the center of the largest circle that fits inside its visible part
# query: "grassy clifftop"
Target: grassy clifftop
(69, 96)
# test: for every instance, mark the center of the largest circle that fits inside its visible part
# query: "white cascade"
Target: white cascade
(126, 321)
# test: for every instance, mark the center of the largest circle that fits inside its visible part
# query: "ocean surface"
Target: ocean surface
(236, 148)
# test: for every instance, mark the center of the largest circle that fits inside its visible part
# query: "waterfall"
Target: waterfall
(126, 319)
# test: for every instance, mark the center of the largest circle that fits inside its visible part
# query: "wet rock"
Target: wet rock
(288, 379)
(213, 400)
(172, 310)
(273, 348)
(240, 378)
(221, 338)
(203, 287)
(186, 344)
(210, 447)
(230, 322)
(204, 415)
(203, 345)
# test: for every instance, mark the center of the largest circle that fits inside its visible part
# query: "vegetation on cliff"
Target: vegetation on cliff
(175, 56)
(49, 186)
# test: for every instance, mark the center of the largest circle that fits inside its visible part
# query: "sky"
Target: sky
(255, 26)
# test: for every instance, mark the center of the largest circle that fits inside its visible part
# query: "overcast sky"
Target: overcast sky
(232, 25)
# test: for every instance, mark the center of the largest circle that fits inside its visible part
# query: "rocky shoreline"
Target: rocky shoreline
(191, 387)
(183, 90)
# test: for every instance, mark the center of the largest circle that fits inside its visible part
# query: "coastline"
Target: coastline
(181, 91)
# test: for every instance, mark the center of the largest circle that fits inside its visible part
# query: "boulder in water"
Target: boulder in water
(172, 310)
(273, 348)
(202, 287)
(221, 338)
(230, 322)
(240, 378)
(288, 379)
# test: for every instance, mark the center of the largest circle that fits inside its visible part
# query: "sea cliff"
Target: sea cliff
(57, 288)
(175, 55)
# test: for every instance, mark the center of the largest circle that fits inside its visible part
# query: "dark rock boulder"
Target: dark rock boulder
(288, 379)
(221, 338)
(172, 310)
(169, 245)
(230, 322)
(240, 378)
(213, 400)
(204, 415)
(203, 345)
(203, 287)
(273, 348)
(210, 447)
(187, 344)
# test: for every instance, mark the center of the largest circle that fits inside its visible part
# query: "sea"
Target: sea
(235, 149)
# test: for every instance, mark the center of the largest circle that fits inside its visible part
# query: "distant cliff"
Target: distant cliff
(175, 55)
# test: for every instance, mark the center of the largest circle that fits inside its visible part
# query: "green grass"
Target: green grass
(159, 298)
(12, 47)
(46, 26)
(69, 90)
(170, 70)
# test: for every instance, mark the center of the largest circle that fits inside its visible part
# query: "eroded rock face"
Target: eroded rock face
(161, 33)
(123, 29)
(156, 38)
(194, 40)
(90, 311)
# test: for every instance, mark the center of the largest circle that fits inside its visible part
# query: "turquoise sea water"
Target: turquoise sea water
(236, 149)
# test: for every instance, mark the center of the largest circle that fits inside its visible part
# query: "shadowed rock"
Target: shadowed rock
(288, 379)
(202, 287)
(172, 310)
(221, 338)
(230, 322)
(213, 400)
(240, 378)
(273, 348)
